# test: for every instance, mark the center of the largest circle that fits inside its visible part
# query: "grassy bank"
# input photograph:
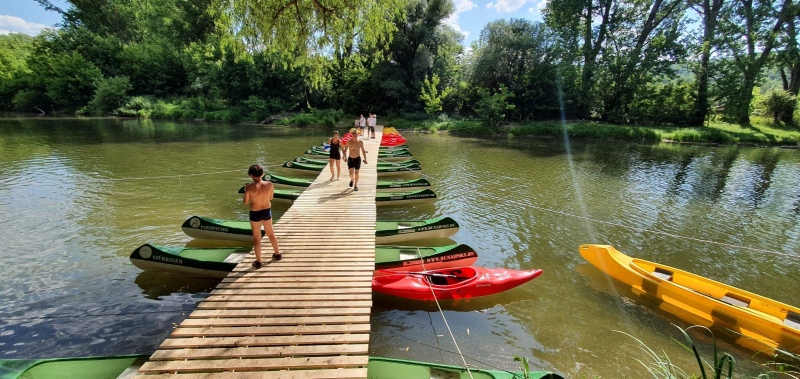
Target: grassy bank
(760, 133)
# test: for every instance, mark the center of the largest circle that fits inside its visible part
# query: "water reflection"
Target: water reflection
(157, 285)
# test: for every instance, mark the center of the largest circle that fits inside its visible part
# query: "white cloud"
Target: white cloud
(507, 6)
(464, 5)
(12, 24)
(461, 7)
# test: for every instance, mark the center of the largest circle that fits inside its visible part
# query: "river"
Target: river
(77, 196)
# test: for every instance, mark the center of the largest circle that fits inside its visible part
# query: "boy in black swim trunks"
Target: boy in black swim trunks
(259, 195)
(353, 150)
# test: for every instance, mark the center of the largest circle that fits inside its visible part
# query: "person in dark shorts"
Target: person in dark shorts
(353, 150)
(259, 195)
(335, 156)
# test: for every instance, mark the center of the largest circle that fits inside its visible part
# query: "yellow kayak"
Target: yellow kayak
(390, 130)
(764, 323)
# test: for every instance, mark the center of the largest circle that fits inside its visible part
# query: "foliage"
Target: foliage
(777, 103)
(315, 117)
(304, 32)
(431, 96)
(111, 94)
(524, 366)
(519, 55)
(14, 49)
(492, 106)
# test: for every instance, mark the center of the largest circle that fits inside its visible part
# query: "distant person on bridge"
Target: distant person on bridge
(335, 156)
(259, 195)
(371, 123)
(353, 150)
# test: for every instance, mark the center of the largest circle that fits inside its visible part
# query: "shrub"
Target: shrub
(111, 94)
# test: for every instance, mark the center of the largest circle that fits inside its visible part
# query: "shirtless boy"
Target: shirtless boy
(353, 151)
(259, 195)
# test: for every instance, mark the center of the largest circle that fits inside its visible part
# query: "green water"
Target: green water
(78, 196)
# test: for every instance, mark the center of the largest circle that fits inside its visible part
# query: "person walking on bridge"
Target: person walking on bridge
(352, 151)
(259, 195)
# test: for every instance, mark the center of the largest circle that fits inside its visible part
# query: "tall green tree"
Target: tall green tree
(709, 12)
(583, 26)
(306, 32)
(644, 44)
(520, 55)
(750, 29)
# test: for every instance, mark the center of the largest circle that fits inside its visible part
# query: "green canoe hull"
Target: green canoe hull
(289, 194)
(202, 262)
(323, 162)
(415, 258)
(382, 171)
(399, 155)
(381, 185)
(386, 232)
(389, 232)
(218, 262)
(401, 198)
(119, 366)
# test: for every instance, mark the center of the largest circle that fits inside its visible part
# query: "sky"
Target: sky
(27, 16)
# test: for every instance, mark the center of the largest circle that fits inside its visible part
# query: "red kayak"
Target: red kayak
(450, 283)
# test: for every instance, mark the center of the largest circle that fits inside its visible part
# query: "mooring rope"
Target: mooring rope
(453, 337)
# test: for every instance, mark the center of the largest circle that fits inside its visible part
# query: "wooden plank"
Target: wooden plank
(344, 373)
(282, 304)
(321, 339)
(305, 279)
(253, 364)
(260, 352)
(271, 321)
(289, 291)
(337, 311)
(293, 298)
(286, 288)
(268, 330)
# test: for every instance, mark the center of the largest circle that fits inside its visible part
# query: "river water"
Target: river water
(78, 196)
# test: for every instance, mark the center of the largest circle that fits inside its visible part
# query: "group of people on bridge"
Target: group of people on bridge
(259, 193)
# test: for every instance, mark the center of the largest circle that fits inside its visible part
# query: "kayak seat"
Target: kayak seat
(792, 320)
(663, 274)
(736, 300)
(439, 280)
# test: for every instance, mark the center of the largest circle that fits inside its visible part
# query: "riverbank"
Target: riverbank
(761, 133)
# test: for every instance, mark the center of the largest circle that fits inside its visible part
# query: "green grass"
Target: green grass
(782, 365)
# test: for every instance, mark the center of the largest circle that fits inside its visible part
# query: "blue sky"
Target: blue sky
(27, 16)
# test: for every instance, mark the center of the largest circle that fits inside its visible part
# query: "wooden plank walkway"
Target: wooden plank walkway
(306, 316)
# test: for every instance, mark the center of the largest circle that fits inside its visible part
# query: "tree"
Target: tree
(305, 32)
(583, 25)
(709, 11)
(644, 42)
(520, 55)
(788, 61)
(431, 96)
(750, 29)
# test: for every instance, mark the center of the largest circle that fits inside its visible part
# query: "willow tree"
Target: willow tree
(308, 33)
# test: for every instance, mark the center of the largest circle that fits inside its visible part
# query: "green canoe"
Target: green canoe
(388, 155)
(414, 258)
(382, 171)
(386, 232)
(382, 148)
(381, 198)
(218, 262)
(382, 185)
(290, 194)
(206, 262)
(323, 162)
(126, 366)
(397, 198)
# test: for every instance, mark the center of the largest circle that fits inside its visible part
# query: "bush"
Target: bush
(111, 94)
(779, 104)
